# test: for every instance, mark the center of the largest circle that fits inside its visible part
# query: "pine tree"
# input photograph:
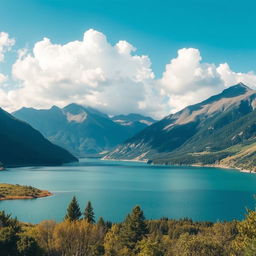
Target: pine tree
(134, 228)
(88, 213)
(101, 222)
(73, 210)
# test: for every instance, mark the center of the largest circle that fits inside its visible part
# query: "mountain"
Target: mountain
(220, 130)
(23, 145)
(81, 130)
(133, 123)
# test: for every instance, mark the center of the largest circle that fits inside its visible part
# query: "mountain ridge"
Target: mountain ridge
(196, 129)
(80, 129)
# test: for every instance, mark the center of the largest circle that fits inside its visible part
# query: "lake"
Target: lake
(115, 187)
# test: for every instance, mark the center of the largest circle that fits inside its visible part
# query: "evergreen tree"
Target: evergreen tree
(101, 222)
(134, 228)
(88, 213)
(73, 210)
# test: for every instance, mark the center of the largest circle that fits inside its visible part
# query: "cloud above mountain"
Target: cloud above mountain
(109, 77)
(91, 72)
(187, 80)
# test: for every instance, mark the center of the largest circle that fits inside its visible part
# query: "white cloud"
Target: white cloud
(230, 77)
(5, 44)
(187, 80)
(91, 72)
(112, 78)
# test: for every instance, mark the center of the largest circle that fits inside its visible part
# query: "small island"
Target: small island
(12, 192)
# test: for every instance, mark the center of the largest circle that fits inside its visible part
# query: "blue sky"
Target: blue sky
(209, 45)
(224, 31)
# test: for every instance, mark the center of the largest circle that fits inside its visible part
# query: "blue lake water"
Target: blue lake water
(115, 187)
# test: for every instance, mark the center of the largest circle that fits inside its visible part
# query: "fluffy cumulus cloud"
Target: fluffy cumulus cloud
(186, 80)
(110, 77)
(91, 72)
(230, 77)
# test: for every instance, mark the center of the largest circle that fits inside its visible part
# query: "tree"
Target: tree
(43, 233)
(150, 246)
(73, 210)
(112, 243)
(28, 246)
(246, 238)
(196, 245)
(134, 228)
(77, 238)
(88, 213)
(101, 222)
(9, 229)
(8, 240)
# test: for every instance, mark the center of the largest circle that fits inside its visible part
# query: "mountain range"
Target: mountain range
(218, 131)
(83, 130)
(23, 145)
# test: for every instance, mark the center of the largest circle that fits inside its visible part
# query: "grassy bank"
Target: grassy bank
(11, 192)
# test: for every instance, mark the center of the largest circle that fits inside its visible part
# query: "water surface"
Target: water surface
(115, 187)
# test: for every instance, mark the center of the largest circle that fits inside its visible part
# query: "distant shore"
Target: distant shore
(193, 165)
(224, 167)
(125, 160)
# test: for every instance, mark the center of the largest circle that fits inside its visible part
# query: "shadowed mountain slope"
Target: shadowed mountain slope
(23, 145)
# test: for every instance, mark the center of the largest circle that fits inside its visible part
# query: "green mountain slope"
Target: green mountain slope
(205, 133)
(23, 145)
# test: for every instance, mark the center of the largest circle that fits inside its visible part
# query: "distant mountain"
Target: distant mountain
(81, 130)
(133, 123)
(23, 145)
(220, 130)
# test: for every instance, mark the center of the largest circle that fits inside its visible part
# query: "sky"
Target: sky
(119, 56)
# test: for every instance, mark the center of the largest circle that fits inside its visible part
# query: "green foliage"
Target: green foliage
(134, 228)
(73, 210)
(13, 241)
(150, 246)
(89, 213)
(28, 246)
(245, 240)
(197, 246)
(8, 240)
(133, 237)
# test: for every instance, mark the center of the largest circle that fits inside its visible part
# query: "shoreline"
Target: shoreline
(192, 165)
(16, 191)
(44, 193)
(224, 167)
(125, 160)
